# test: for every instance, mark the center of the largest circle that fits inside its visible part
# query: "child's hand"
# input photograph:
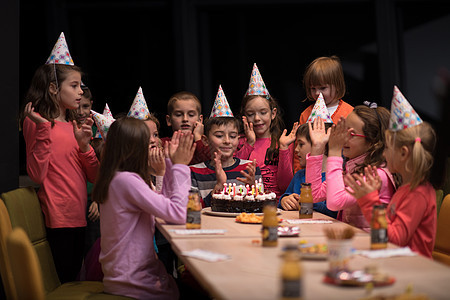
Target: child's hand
(249, 174)
(249, 132)
(221, 176)
(360, 187)
(181, 148)
(83, 134)
(338, 137)
(198, 131)
(94, 213)
(156, 161)
(286, 140)
(29, 112)
(319, 137)
(290, 202)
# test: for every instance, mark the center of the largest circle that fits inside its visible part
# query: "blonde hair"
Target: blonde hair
(324, 70)
(184, 95)
(421, 140)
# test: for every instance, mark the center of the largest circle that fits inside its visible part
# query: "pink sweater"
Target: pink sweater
(276, 178)
(55, 161)
(333, 189)
(129, 262)
(411, 217)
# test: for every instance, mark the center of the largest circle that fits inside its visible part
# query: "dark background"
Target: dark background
(167, 46)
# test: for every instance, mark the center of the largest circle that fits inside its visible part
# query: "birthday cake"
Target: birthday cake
(238, 199)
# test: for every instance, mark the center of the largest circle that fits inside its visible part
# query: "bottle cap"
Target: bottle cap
(306, 184)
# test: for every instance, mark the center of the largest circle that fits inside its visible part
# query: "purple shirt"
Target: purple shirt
(129, 262)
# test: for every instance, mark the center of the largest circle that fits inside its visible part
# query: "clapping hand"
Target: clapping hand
(198, 131)
(221, 176)
(156, 161)
(360, 187)
(249, 132)
(248, 173)
(181, 148)
(338, 137)
(286, 140)
(83, 134)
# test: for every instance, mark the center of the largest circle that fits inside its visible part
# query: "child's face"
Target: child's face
(303, 148)
(328, 93)
(356, 145)
(184, 116)
(70, 92)
(84, 110)
(259, 113)
(154, 135)
(223, 139)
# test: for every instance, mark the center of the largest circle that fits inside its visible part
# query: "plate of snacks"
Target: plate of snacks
(286, 231)
(251, 218)
(313, 251)
(369, 275)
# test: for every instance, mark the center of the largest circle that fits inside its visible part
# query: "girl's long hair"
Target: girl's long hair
(376, 121)
(125, 149)
(44, 102)
(421, 140)
(276, 126)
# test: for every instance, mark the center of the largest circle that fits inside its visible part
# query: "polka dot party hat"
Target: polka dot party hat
(256, 85)
(60, 53)
(320, 110)
(139, 109)
(403, 114)
(103, 123)
(221, 108)
(107, 113)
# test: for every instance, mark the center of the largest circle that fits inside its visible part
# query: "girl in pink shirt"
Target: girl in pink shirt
(129, 207)
(61, 160)
(411, 215)
(265, 140)
(359, 138)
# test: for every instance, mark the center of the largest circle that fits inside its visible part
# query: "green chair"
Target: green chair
(25, 211)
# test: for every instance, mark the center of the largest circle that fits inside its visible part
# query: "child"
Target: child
(59, 156)
(221, 136)
(324, 75)
(360, 138)
(411, 214)
(265, 139)
(184, 113)
(129, 207)
(289, 200)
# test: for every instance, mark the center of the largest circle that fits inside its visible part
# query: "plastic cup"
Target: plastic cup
(339, 254)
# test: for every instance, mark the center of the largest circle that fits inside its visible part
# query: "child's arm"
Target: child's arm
(314, 176)
(250, 138)
(284, 171)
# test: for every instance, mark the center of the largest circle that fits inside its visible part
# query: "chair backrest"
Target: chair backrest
(442, 245)
(5, 267)
(24, 266)
(25, 211)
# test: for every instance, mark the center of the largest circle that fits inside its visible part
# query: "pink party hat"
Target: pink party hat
(108, 114)
(60, 53)
(320, 110)
(103, 123)
(221, 108)
(139, 109)
(403, 114)
(256, 85)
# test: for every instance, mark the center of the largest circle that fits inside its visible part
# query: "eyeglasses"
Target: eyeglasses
(352, 134)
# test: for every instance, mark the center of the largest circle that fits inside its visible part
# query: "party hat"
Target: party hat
(320, 110)
(139, 109)
(221, 108)
(60, 53)
(103, 123)
(403, 114)
(256, 85)
(107, 113)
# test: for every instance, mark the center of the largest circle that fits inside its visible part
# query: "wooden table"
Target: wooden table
(253, 270)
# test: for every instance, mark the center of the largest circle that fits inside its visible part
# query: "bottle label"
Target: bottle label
(306, 208)
(379, 236)
(193, 216)
(270, 234)
(291, 288)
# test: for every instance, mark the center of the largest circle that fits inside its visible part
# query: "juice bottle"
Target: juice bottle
(194, 207)
(378, 228)
(305, 202)
(270, 226)
(291, 275)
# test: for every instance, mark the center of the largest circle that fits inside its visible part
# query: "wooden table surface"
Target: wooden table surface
(253, 270)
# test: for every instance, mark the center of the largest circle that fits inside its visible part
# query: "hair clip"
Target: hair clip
(370, 104)
(418, 139)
